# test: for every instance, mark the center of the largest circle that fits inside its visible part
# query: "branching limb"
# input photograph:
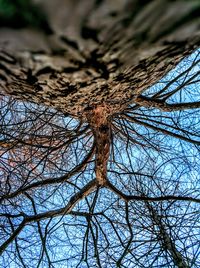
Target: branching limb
(128, 198)
(164, 106)
(85, 191)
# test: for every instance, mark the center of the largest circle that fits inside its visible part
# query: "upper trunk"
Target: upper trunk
(100, 52)
(99, 121)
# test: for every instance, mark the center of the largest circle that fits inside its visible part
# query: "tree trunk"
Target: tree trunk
(98, 52)
(166, 241)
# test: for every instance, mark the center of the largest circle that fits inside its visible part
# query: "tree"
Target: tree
(99, 137)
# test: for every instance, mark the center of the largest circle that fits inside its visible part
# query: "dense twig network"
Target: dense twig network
(114, 189)
(100, 135)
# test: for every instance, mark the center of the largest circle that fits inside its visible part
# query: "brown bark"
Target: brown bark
(100, 52)
(98, 118)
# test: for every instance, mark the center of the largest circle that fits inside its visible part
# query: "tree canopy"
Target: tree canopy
(99, 133)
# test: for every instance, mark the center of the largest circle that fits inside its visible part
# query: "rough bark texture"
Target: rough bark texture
(100, 123)
(98, 51)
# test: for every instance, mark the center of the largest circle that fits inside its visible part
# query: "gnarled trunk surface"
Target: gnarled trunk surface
(98, 51)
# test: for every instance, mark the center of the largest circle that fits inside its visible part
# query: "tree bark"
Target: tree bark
(100, 123)
(99, 52)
